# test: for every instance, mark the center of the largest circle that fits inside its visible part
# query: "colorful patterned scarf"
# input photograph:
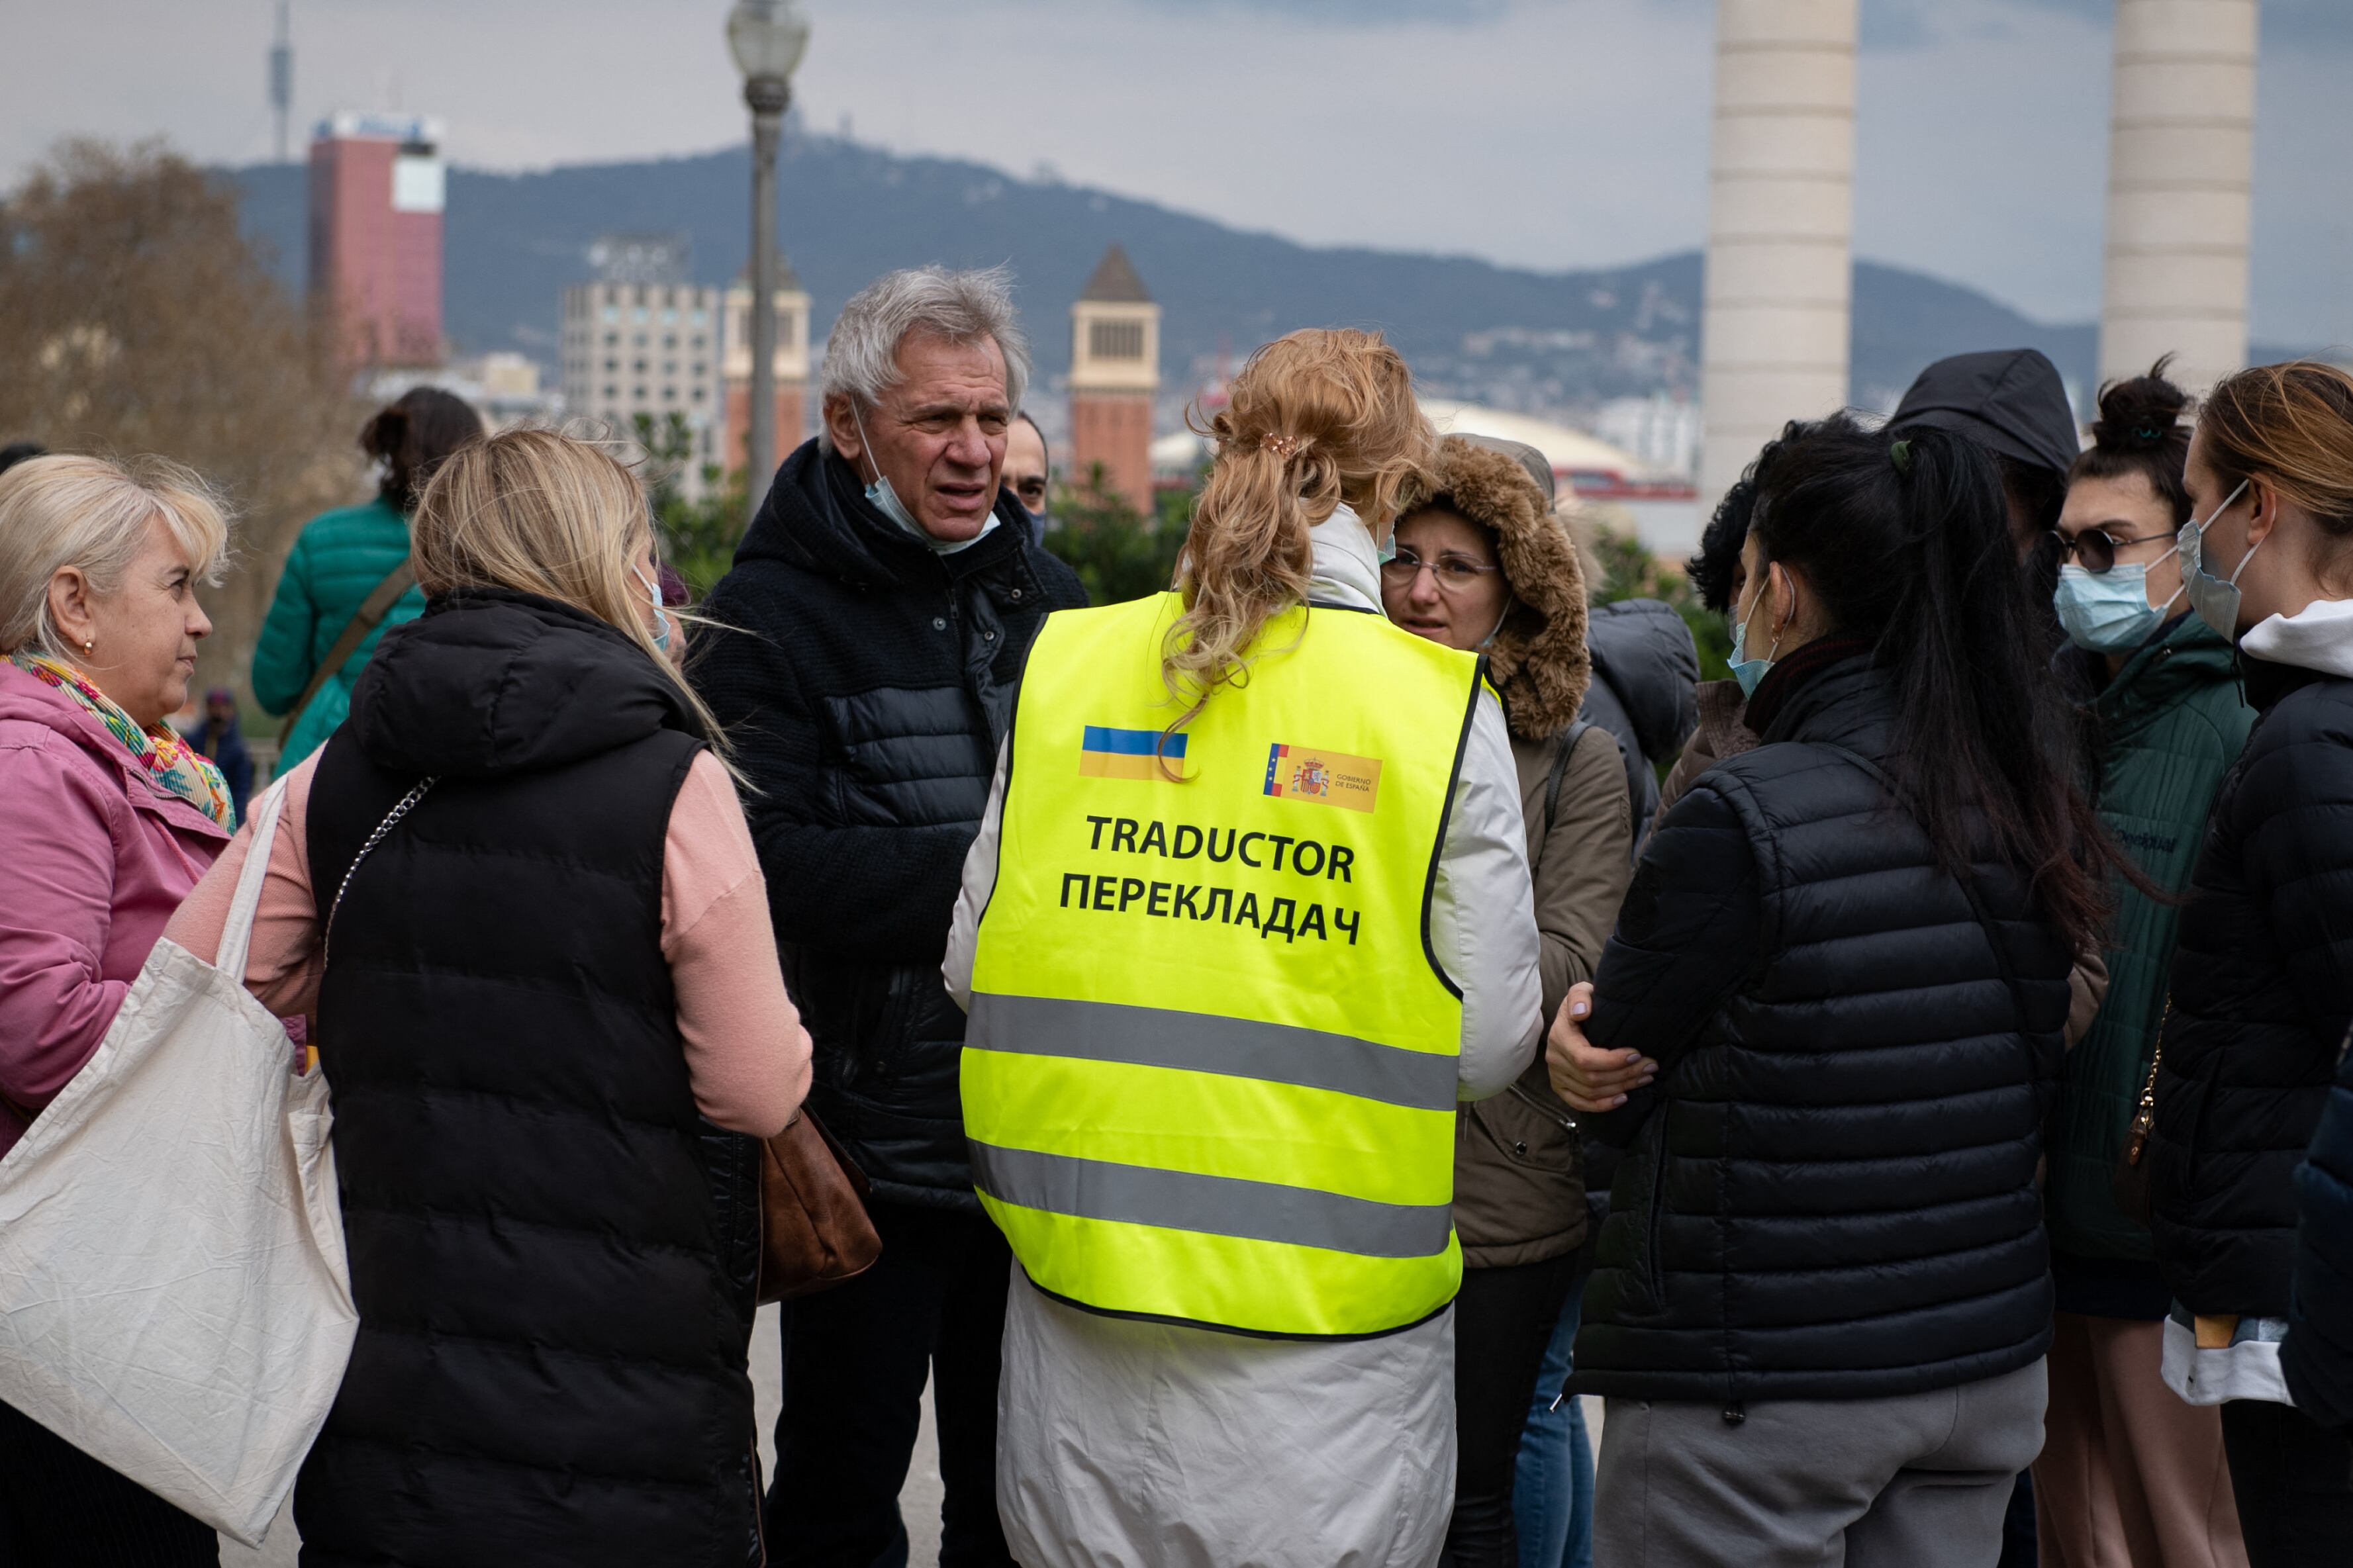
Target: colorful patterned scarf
(172, 765)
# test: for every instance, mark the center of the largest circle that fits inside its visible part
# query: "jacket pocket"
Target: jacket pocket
(1654, 1266)
(1526, 1135)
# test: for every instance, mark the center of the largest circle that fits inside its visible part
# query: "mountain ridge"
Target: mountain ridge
(1538, 342)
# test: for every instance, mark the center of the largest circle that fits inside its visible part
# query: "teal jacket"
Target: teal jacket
(336, 563)
(2168, 728)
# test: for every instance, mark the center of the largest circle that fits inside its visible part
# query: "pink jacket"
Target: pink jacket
(93, 861)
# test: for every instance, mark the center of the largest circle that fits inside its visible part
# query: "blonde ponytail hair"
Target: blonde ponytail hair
(1315, 420)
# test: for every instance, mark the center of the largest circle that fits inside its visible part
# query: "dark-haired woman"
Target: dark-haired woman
(2262, 975)
(1824, 1296)
(2129, 1472)
(341, 559)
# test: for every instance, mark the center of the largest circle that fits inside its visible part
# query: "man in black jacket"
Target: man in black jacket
(877, 617)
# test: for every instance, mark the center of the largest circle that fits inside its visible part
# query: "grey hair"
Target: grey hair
(861, 355)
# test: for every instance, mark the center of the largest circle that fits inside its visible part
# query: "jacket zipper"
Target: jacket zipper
(1565, 1123)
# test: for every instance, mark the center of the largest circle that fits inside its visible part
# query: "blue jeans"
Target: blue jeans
(1552, 1496)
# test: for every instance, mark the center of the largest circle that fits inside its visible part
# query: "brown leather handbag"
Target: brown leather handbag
(814, 1229)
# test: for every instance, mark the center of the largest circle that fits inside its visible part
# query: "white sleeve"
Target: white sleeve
(1483, 915)
(979, 881)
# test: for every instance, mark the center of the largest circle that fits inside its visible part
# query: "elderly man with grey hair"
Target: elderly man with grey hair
(867, 646)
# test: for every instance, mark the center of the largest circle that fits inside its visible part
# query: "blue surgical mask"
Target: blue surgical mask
(2109, 612)
(880, 495)
(661, 617)
(1750, 672)
(2215, 599)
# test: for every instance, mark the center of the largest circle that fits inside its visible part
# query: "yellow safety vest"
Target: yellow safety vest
(1210, 1075)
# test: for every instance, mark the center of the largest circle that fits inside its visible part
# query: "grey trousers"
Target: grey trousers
(1915, 1482)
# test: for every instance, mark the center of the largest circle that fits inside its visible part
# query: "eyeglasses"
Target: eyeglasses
(2096, 548)
(1455, 573)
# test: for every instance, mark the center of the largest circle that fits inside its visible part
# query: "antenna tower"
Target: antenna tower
(281, 75)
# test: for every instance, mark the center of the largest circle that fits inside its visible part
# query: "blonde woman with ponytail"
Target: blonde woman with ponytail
(516, 898)
(1248, 917)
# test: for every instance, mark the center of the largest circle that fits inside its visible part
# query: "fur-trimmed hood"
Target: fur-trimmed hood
(1539, 659)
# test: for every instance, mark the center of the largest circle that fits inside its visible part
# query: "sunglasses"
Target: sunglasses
(2094, 550)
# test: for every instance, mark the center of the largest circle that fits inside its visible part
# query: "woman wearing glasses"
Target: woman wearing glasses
(2130, 1472)
(1484, 566)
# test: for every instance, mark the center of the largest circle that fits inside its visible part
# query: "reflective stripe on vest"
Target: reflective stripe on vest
(1210, 1075)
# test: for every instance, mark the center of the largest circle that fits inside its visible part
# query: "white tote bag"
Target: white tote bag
(173, 1296)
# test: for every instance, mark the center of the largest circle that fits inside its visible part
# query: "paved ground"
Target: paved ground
(920, 1501)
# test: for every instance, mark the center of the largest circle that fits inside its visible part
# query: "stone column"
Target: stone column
(1780, 225)
(2181, 154)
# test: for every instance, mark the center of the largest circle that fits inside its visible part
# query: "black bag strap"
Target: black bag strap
(1560, 770)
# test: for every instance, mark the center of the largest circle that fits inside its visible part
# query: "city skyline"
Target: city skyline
(1520, 138)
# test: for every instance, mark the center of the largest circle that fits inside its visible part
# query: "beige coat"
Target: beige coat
(1519, 1182)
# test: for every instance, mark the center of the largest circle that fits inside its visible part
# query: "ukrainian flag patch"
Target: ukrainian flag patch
(1108, 754)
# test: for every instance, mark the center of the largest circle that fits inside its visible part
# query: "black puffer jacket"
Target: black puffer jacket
(866, 693)
(2262, 987)
(1645, 692)
(1829, 1191)
(552, 1252)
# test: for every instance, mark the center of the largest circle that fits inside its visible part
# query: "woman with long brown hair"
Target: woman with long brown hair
(1249, 914)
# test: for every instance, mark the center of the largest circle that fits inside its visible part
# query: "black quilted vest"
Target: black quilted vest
(551, 1251)
(1836, 1198)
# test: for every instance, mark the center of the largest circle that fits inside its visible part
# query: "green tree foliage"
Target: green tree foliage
(699, 537)
(1630, 571)
(1117, 552)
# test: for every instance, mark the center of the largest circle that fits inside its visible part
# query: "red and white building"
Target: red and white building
(377, 189)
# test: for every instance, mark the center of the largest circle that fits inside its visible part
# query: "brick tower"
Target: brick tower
(1115, 374)
(792, 369)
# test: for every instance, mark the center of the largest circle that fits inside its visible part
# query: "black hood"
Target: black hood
(489, 682)
(2008, 400)
(817, 517)
(1644, 650)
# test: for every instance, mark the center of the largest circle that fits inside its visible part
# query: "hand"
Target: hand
(1586, 1076)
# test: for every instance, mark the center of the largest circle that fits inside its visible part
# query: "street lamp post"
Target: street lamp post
(767, 38)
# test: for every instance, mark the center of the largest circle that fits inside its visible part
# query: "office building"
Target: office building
(792, 362)
(376, 194)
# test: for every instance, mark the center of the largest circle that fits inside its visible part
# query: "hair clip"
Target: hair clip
(1283, 447)
(2147, 434)
(1899, 454)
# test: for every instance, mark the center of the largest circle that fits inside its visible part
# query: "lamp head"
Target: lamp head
(767, 38)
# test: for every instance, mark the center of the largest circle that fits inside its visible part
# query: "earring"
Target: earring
(87, 646)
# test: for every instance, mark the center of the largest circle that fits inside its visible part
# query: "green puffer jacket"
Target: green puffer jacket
(2169, 725)
(336, 564)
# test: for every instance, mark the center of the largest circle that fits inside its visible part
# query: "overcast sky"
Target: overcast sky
(1549, 134)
